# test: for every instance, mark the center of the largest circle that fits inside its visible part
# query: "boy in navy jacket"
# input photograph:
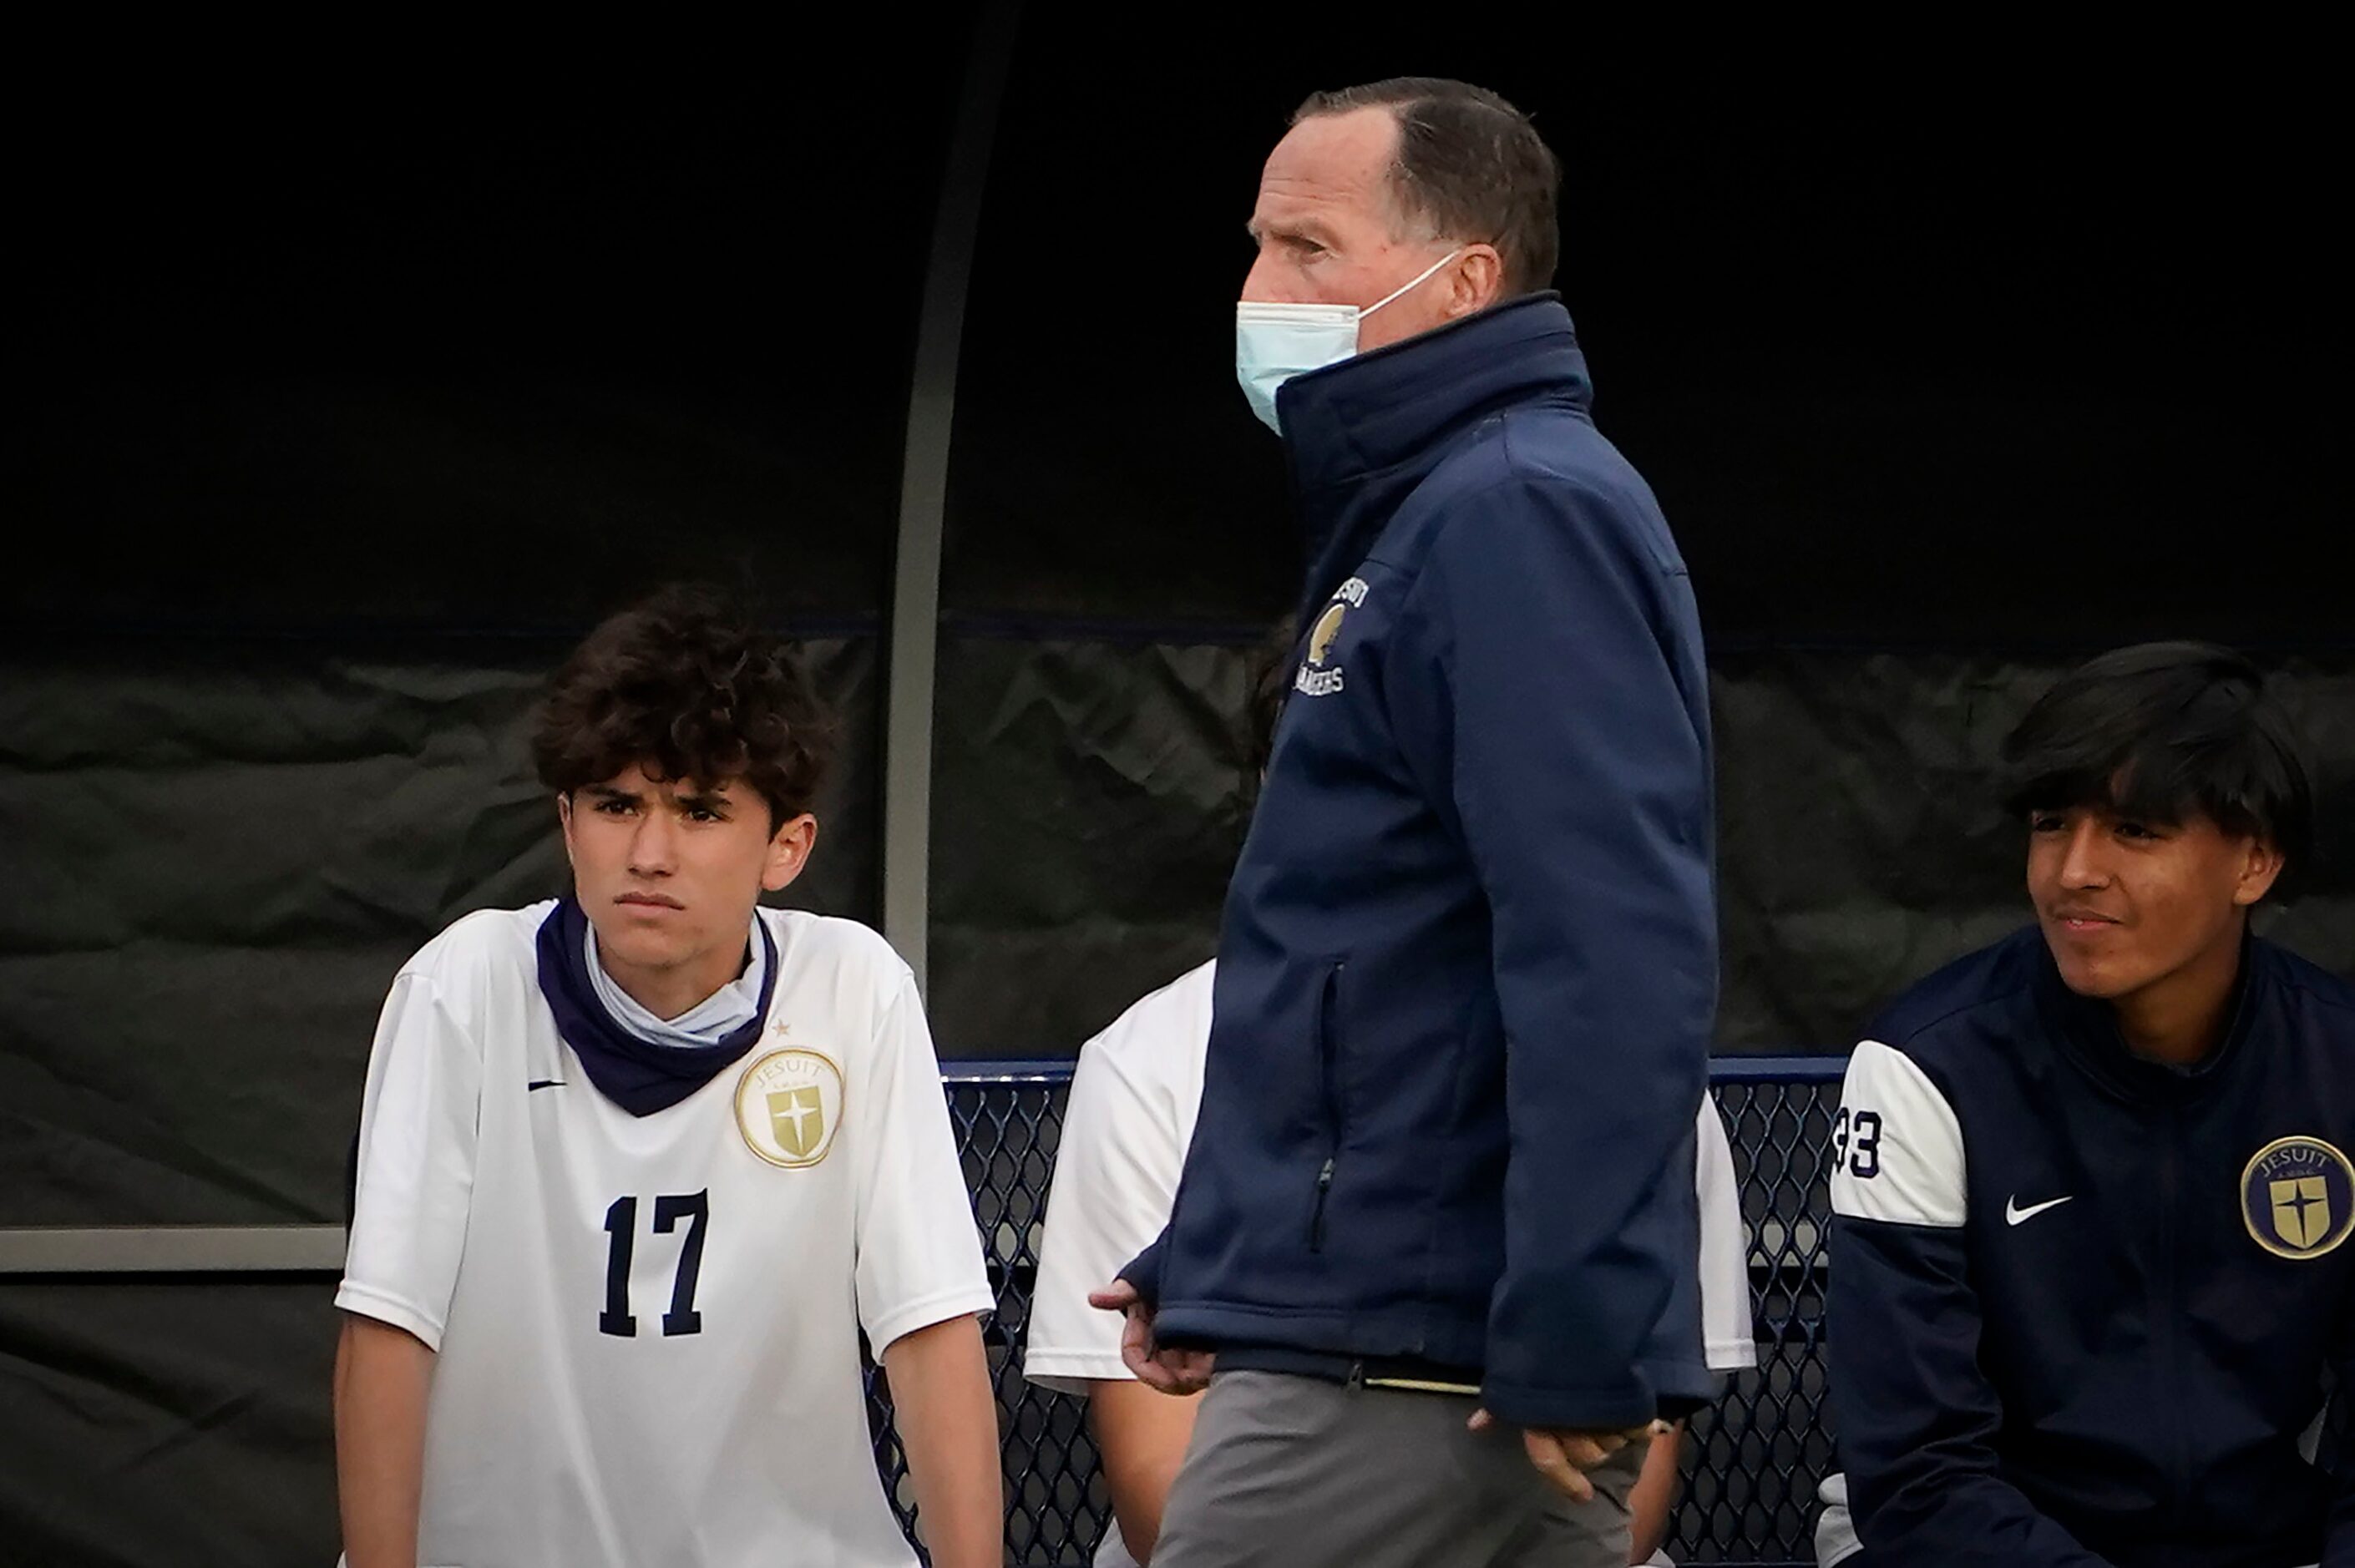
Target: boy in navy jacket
(2089, 1293)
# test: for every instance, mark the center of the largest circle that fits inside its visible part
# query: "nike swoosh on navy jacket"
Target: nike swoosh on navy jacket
(1467, 965)
(2087, 1309)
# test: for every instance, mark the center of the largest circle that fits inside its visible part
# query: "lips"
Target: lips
(650, 901)
(2072, 918)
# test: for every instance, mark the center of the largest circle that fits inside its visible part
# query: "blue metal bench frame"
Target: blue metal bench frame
(1750, 1465)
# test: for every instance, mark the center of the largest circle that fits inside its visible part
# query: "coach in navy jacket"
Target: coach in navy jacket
(1468, 965)
(2088, 1286)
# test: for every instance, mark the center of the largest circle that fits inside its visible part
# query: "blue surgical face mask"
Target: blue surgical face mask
(1275, 342)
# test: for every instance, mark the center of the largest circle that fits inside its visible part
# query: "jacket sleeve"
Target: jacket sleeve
(1916, 1417)
(1554, 654)
(1144, 1270)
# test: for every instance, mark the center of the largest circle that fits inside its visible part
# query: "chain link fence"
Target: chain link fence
(1750, 1464)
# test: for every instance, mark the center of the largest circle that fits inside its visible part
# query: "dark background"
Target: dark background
(336, 411)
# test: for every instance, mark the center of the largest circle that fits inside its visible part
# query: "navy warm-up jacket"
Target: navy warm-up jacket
(2086, 1309)
(1467, 965)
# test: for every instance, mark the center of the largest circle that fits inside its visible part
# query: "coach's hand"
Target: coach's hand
(1563, 1456)
(1156, 1366)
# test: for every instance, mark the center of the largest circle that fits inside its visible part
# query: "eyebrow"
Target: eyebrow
(1300, 229)
(712, 799)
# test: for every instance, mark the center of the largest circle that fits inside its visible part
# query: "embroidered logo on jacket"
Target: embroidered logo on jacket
(789, 1105)
(2297, 1197)
(1315, 679)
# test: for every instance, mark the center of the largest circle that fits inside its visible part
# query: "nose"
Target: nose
(2083, 861)
(1265, 282)
(653, 846)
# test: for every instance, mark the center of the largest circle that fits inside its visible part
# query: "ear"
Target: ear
(2261, 867)
(1477, 280)
(564, 820)
(789, 852)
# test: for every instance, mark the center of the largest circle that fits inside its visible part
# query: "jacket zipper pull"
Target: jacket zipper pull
(1356, 1382)
(1317, 1219)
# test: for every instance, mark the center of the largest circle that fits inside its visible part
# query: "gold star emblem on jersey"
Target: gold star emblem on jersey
(789, 1106)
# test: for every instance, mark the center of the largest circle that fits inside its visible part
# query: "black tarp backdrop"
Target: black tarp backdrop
(331, 420)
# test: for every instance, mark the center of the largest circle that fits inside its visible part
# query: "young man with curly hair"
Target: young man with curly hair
(637, 1165)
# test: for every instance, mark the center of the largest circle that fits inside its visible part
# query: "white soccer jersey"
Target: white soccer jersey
(648, 1327)
(1133, 1098)
(1135, 1095)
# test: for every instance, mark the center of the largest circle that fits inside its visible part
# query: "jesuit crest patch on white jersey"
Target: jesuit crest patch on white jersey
(788, 1106)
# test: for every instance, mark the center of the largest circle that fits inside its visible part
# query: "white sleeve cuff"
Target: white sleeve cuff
(902, 1321)
(366, 1301)
(1731, 1355)
(1070, 1372)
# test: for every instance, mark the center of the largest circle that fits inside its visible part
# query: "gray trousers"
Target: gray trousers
(1304, 1473)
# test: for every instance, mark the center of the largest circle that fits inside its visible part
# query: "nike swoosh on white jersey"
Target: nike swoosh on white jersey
(2013, 1214)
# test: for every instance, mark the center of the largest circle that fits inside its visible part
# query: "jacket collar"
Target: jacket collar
(1362, 433)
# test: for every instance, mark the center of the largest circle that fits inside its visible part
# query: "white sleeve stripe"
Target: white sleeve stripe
(1897, 1146)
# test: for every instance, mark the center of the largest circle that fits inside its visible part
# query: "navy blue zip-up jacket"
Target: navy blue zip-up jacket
(2085, 1308)
(1467, 965)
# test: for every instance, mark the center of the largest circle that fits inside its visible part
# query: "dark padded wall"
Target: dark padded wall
(1859, 848)
(1858, 845)
(166, 1420)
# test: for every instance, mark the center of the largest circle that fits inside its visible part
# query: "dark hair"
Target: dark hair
(1469, 165)
(1271, 667)
(2159, 731)
(684, 687)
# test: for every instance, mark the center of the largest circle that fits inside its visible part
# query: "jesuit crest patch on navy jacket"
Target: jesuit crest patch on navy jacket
(2297, 1195)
